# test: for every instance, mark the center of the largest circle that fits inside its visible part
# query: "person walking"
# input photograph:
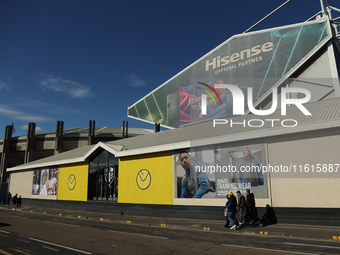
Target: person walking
(251, 208)
(226, 214)
(241, 206)
(231, 205)
(19, 203)
(15, 199)
(9, 198)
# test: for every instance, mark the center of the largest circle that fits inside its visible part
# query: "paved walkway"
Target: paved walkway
(283, 230)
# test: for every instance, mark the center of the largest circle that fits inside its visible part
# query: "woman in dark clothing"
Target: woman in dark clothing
(19, 203)
(15, 199)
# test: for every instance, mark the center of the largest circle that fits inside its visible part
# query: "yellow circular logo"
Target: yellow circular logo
(143, 179)
(71, 182)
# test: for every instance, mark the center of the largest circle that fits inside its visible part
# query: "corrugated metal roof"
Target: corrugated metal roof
(321, 111)
(71, 156)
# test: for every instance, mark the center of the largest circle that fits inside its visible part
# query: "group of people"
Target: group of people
(246, 207)
(15, 200)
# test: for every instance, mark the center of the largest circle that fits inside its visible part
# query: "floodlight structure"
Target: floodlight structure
(278, 8)
(326, 11)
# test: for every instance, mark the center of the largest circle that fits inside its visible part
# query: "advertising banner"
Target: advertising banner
(45, 181)
(213, 171)
(146, 180)
(258, 60)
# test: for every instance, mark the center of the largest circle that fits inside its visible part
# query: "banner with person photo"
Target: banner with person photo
(212, 171)
(45, 181)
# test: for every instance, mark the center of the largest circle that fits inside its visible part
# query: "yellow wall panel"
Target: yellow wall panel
(146, 179)
(72, 183)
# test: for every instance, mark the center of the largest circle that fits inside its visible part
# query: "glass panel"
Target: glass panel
(112, 177)
(92, 191)
(103, 160)
(103, 174)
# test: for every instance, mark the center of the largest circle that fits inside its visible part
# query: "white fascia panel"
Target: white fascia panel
(45, 164)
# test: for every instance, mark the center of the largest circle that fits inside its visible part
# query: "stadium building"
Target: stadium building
(260, 112)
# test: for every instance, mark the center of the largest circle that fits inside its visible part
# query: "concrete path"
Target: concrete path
(283, 230)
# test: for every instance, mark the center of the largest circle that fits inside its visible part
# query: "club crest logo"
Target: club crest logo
(71, 182)
(143, 179)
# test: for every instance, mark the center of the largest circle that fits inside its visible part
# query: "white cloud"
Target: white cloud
(4, 85)
(44, 107)
(18, 115)
(134, 81)
(37, 129)
(59, 84)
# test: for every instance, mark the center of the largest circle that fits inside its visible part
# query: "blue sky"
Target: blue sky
(81, 60)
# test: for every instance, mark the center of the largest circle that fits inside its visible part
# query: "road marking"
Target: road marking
(265, 249)
(62, 246)
(20, 251)
(321, 246)
(62, 223)
(5, 253)
(50, 248)
(137, 234)
(3, 231)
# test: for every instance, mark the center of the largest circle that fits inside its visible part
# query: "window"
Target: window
(103, 177)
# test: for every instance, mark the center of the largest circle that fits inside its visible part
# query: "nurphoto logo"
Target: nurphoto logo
(238, 105)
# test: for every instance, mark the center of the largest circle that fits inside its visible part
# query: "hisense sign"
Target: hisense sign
(238, 56)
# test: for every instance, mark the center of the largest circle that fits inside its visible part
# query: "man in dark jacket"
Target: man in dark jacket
(231, 205)
(14, 199)
(251, 208)
(241, 206)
